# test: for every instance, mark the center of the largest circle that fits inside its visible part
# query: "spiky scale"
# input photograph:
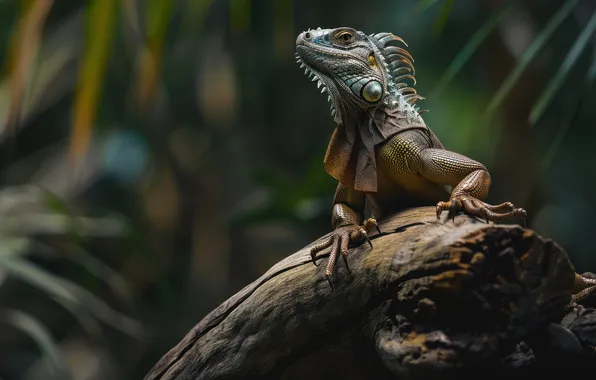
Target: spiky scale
(395, 58)
(413, 98)
(401, 70)
(407, 90)
(397, 50)
(380, 36)
(391, 37)
(404, 77)
(407, 62)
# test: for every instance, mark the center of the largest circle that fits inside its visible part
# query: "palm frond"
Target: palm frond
(562, 131)
(36, 330)
(425, 4)
(100, 25)
(529, 54)
(117, 284)
(471, 47)
(441, 20)
(151, 54)
(65, 291)
(24, 46)
(558, 79)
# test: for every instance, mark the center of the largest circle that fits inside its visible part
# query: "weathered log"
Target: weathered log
(431, 297)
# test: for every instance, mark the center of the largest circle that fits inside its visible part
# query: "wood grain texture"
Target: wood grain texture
(429, 297)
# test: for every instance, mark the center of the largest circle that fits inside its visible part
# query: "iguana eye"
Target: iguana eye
(344, 37)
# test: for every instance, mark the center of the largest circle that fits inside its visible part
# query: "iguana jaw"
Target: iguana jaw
(326, 85)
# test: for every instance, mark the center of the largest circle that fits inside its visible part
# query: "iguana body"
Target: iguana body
(382, 152)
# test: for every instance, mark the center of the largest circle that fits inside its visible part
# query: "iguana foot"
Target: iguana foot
(340, 240)
(473, 206)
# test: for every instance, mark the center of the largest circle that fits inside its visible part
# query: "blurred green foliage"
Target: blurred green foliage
(158, 155)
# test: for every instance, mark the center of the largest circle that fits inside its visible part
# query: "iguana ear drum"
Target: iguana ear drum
(368, 89)
(372, 91)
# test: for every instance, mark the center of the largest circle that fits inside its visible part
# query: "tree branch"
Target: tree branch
(430, 297)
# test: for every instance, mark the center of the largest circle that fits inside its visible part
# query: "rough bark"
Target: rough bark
(430, 299)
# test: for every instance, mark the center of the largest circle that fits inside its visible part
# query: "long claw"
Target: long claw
(439, 210)
(370, 222)
(313, 256)
(340, 241)
(524, 217)
(474, 206)
(329, 281)
(344, 254)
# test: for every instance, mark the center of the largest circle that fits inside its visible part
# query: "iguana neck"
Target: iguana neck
(393, 106)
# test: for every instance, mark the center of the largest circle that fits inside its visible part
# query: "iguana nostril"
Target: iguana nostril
(307, 35)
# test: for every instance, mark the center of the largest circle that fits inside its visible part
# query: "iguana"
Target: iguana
(382, 152)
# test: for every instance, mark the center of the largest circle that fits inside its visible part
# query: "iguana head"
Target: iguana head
(358, 71)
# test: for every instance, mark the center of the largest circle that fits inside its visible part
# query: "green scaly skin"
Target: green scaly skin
(382, 152)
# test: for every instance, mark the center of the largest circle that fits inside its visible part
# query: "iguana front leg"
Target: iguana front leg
(348, 210)
(471, 182)
(583, 287)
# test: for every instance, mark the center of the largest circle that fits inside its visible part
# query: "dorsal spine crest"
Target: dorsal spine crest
(398, 65)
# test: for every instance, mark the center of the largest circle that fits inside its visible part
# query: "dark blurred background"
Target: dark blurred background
(157, 156)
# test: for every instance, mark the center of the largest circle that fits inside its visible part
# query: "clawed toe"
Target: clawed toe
(339, 241)
(481, 209)
(319, 247)
(371, 224)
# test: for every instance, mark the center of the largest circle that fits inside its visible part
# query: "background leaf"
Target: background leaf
(100, 28)
(25, 44)
(529, 54)
(558, 79)
(441, 20)
(471, 47)
(425, 4)
(569, 121)
(159, 14)
(67, 291)
(42, 337)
